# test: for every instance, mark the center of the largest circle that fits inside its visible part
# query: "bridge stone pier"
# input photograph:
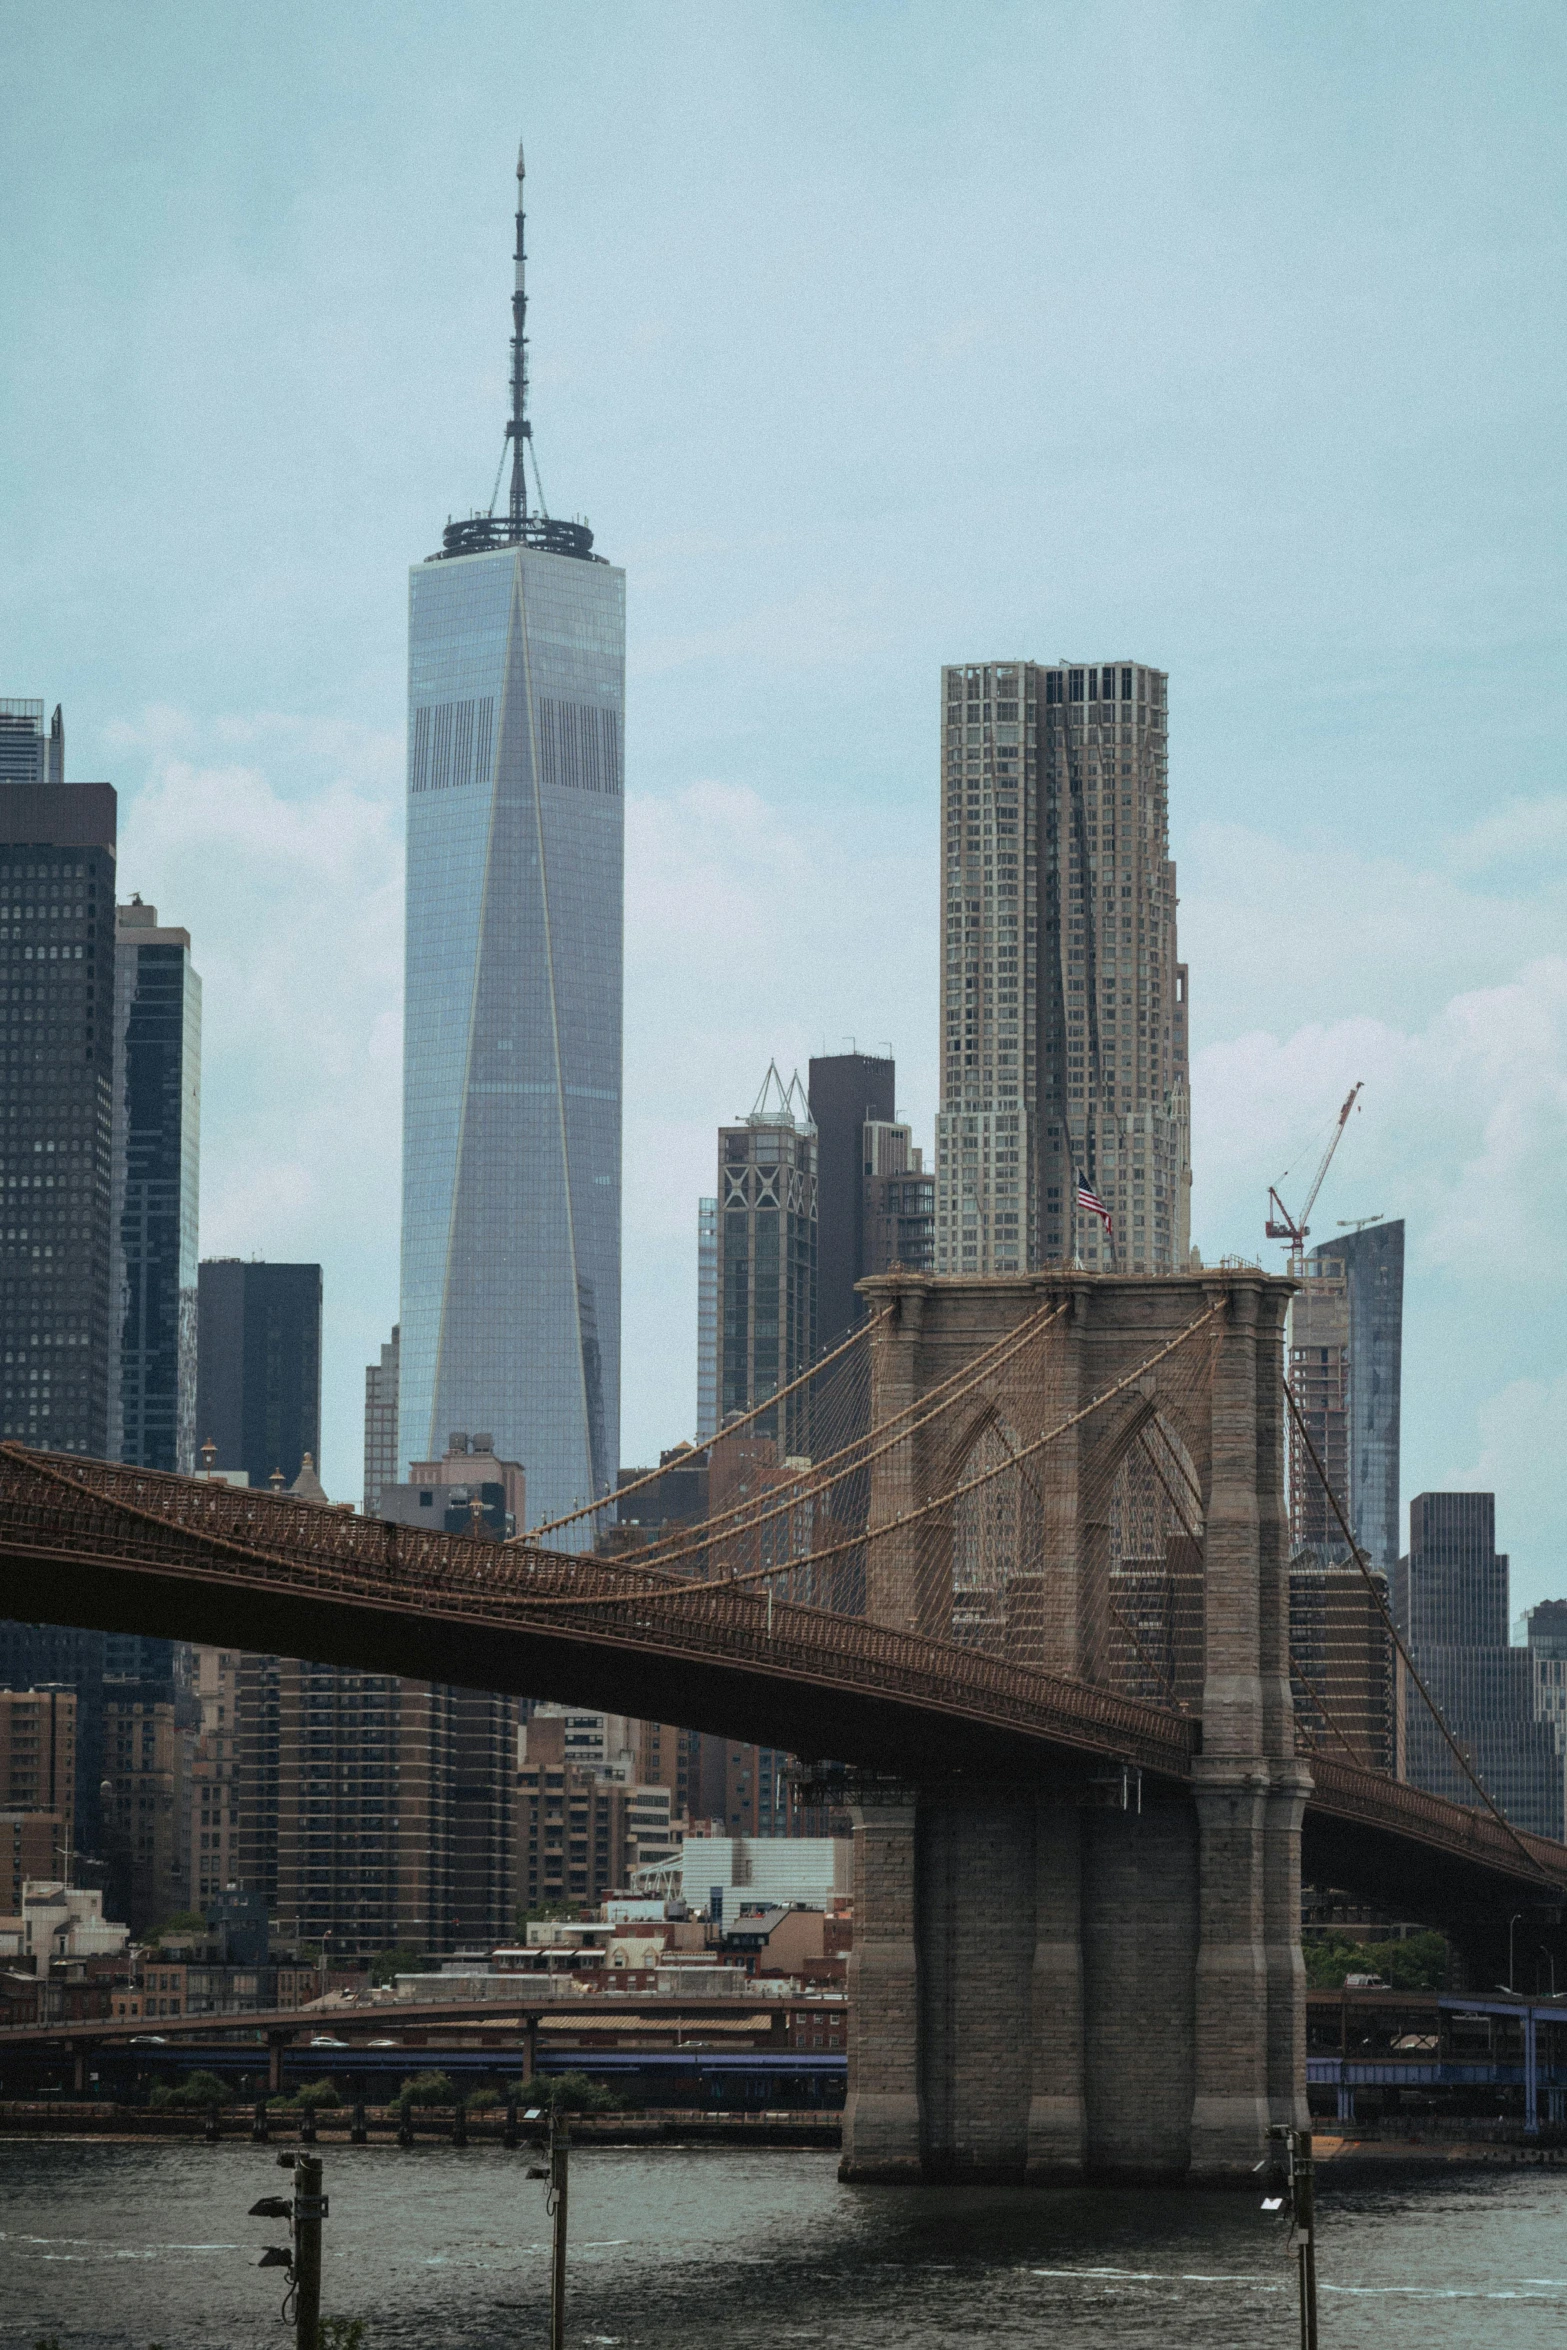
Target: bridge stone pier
(1090, 1972)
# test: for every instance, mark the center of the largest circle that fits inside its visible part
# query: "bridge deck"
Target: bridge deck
(114, 1548)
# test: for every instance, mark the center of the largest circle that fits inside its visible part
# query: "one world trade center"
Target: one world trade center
(512, 1041)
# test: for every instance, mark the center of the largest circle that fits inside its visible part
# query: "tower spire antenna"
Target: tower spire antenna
(526, 523)
(519, 430)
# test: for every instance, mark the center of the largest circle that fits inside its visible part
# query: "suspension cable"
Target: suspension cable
(890, 1434)
(1359, 1557)
(590, 1509)
(906, 1518)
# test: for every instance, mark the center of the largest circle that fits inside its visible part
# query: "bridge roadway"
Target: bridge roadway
(111, 1548)
(359, 2027)
(470, 2035)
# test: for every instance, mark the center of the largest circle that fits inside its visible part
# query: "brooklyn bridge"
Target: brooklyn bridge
(1011, 1573)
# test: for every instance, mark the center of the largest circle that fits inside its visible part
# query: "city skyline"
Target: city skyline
(1347, 907)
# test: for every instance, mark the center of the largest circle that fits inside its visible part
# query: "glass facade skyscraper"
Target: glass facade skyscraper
(258, 1388)
(57, 863)
(1450, 1602)
(706, 1319)
(1345, 1356)
(157, 1173)
(510, 1313)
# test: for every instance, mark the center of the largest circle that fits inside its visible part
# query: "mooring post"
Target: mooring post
(1306, 2236)
(559, 2141)
(310, 2207)
(1302, 2191)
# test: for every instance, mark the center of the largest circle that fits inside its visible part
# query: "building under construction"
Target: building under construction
(1345, 1352)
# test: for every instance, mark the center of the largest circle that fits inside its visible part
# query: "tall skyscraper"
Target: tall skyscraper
(1450, 1603)
(258, 1385)
(706, 1318)
(381, 1461)
(155, 1193)
(847, 1091)
(899, 1227)
(57, 851)
(767, 1265)
(512, 1055)
(27, 753)
(1064, 1062)
(1345, 1351)
(60, 1323)
(1546, 1633)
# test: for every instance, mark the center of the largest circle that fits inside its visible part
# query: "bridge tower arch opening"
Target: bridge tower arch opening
(1091, 1971)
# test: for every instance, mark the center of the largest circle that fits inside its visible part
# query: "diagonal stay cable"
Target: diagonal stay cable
(1178, 1513)
(880, 1440)
(1362, 1762)
(907, 1518)
(590, 1509)
(1356, 1553)
(1127, 1626)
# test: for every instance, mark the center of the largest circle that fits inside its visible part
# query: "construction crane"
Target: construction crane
(1281, 1224)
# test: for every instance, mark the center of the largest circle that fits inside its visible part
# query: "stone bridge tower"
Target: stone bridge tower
(1084, 1973)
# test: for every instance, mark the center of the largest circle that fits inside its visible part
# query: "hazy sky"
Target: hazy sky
(1228, 338)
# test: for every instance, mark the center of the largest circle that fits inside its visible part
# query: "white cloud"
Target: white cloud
(749, 936)
(1273, 927)
(1463, 1133)
(754, 933)
(1536, 829)
(1463, 1125)
(287, 871)
(1518, 1456)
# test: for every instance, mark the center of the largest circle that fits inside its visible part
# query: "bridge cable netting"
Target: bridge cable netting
(1343, 1643)
(1001, 1507)
(857, 1344)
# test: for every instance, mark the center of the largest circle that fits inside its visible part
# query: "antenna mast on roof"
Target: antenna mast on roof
(519, 429)
(524, 524)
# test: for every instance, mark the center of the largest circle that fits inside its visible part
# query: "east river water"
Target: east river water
(119, 2247)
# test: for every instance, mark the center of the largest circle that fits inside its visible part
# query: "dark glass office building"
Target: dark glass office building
(258, 1378)
(848, 1091)
(57, 857)
(767, 1269)
(157, 1169)
(58, 1323)
(1346, 1368)
(1450, 1601)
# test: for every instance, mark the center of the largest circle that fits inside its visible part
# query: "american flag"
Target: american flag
(1092, 1205)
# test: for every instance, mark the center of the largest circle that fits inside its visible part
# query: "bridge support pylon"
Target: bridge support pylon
(1048, 1987)
(1081, 1973)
